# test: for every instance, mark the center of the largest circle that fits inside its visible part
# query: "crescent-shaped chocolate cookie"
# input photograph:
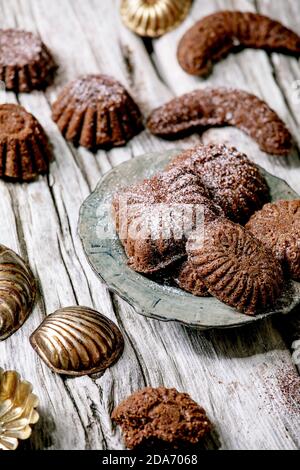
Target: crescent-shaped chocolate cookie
(216, 35)
(236, 267)
(210, 107)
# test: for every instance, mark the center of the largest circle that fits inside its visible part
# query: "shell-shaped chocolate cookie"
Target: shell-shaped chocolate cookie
(17, 292)
(77, 341)
(24, 147)
(188, 279)
(153, 18)
(96, 111)
(236, 267)
(25, 61)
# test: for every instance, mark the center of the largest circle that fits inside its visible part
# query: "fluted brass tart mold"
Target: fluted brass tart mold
(154, 18)
(17, 409)
(17, 292)
(78, 341)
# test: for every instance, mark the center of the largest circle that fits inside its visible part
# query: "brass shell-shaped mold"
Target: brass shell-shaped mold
(17, 409)
(154, 18)
(78, 341)
(17, 292)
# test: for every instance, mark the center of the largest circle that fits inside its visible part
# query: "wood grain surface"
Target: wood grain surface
(246, 378)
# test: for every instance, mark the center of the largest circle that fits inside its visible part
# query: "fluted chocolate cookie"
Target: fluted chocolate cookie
(161, 414)
(25, 61)
(210, 107)
(97, 111)
(216, 35)
(24, 147)
(236, 267)
(233, 182)
(277, 225)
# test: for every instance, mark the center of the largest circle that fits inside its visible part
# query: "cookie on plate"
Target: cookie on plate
(232, 180)
(25, 61)
(236, 267)
(277, 226)
(96, 111)
(188, 279)
(161, 414)
(154, 218)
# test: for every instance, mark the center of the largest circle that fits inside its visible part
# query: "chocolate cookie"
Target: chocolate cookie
(96, 111)
(277, 225)
(188, 279)
(154, 218)
(231, 179)
(24, 148)
(25, 62)
(236, 267)
(200, 109)
(216, 35)
(161, 414)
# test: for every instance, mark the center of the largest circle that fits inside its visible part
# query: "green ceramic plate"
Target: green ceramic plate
(150, 298)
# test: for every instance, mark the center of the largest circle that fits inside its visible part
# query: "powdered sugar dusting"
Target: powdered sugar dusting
(92, 88)
(19, 47)
(218, 107)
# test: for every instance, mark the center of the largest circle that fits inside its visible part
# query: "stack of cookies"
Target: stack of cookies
(240, 250)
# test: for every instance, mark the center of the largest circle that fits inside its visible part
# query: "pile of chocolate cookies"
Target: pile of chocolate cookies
(244, 266)
(94, 111)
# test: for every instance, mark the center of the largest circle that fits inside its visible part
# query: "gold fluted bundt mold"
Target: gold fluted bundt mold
(153, 18)
(17, 292)
(17, 409)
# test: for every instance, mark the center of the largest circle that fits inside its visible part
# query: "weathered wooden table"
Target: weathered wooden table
(247, 378)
